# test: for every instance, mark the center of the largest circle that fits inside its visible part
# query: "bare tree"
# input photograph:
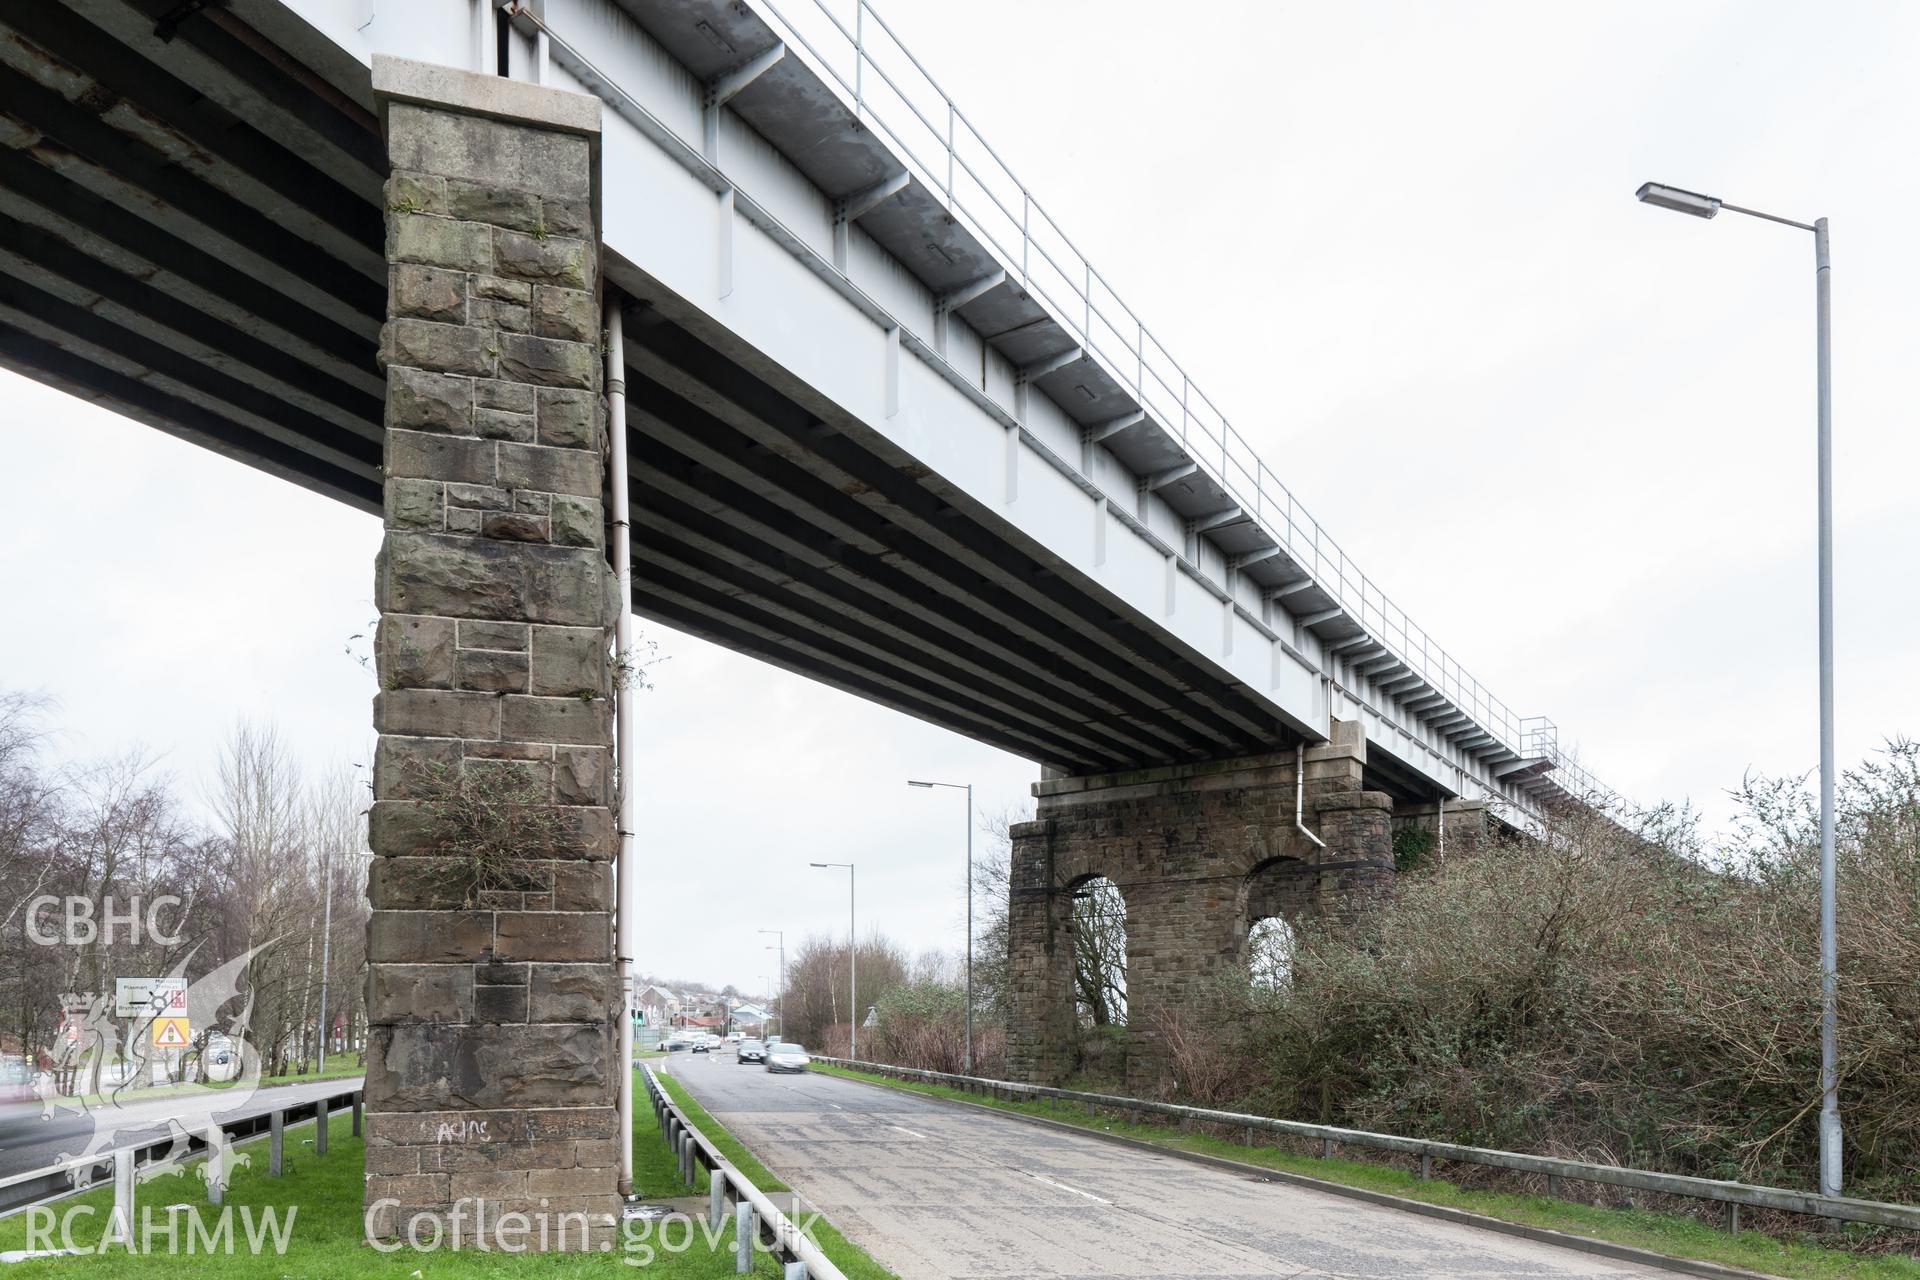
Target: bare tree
(1100, 953)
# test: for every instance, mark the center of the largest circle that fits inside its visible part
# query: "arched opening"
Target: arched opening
(1270, 953)
(1280, 891)
(1099, 953)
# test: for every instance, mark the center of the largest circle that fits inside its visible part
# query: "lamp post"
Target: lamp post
(783, 974)
(853, 947)
(968, 788)
(1699, 206)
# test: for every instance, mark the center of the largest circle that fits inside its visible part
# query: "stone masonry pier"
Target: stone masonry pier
(492, 995)
(1199, 852)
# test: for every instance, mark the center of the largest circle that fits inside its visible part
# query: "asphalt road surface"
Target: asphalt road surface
(935, 1190)
(29, 1142)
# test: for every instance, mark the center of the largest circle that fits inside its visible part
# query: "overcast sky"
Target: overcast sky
(1397, 243)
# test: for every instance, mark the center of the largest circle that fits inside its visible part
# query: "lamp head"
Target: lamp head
(1691, 202)
(912, 783)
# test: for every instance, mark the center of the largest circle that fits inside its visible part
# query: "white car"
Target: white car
(787, 1057)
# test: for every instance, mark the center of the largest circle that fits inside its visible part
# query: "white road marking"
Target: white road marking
(903, 1129)
(1064, 1187)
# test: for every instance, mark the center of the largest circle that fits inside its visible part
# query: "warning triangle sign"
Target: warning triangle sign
(170, 1033)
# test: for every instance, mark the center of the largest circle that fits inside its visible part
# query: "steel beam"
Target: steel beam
(722, 88)
(1172, 475)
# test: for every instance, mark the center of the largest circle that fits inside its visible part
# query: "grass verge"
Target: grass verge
(854, 1261)
(316, 1208)
(1676, 1235)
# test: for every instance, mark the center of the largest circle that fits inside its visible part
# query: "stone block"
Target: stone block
(441, 1067)
(421, 401)
(567, 419)
(490, 671)
(495, 393)
(458, 577)
(536, 467)
(580, 775)
(445, 348)
(576, 1123)
(419, 993)
(573, 993)
(532, 504)
(396, 828)
(514, 526)
(413, 768)
(476, 633)
(547, 362)
(416, 504)
(566, 261)
(567, 1183)
(568, 217)
(428, 293)
(571, 721)
(570, 661)
(429, 937)
(440, 242)
(501, 1004)
(500, 289)
(500, 206)
(414, 652)
(437, 713)
(498, 424)
(565, 313)
(582, 886)
(463, 522)
(480, 497)
(578, 522)
(553, 935)
(399, 883)
(509, 317)
(422, 455)
(416, 192)
(484, 150)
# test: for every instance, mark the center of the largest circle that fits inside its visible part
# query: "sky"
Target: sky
(1397, 243)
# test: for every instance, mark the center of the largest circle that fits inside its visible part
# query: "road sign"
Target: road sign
(170, 1033)
(148, 997)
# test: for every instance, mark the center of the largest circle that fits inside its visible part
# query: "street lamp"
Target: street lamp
(1700, 206)
(968, 788)
(853, 946)
(783, 975)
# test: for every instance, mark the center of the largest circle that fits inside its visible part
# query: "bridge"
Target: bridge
(883, 425)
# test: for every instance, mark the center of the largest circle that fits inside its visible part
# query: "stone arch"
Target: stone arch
(1278, 895)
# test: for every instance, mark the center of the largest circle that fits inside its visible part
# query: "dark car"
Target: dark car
(751, 1051)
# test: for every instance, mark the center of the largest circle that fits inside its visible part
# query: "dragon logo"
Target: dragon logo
(187, 1111)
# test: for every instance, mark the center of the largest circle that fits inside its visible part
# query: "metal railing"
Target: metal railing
(120, 1165)
(1734, 1195)
(890, 90)
(753, 1211)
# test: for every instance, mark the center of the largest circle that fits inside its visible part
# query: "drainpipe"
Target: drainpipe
(1441, 853)
(626, 904)
(1300, 797)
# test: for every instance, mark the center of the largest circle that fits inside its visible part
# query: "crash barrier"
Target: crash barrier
(81, 1173)
(1733, 1195)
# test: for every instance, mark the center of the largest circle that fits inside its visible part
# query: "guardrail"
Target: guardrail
(82, 1173)
(753, 1211)
(1734, 1195)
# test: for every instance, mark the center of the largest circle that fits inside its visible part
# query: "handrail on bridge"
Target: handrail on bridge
(1732, 1194)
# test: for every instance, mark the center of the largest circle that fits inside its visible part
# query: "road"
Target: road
(934, 1190)
(28, 1142)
